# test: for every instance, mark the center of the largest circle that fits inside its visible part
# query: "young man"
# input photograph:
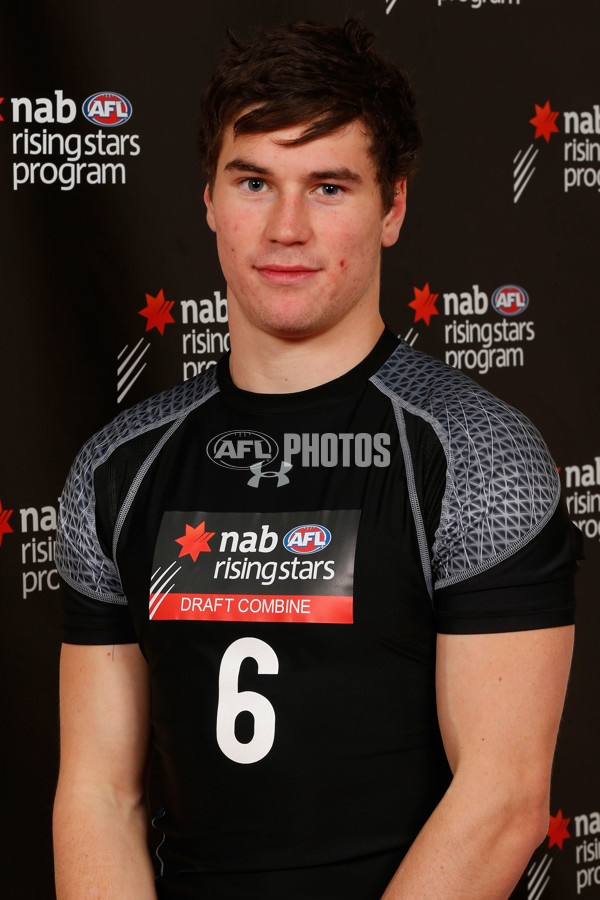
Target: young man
(329, 582)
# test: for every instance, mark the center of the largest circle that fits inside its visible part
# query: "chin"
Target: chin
(296, 327)
(291, 331)
(291, 318)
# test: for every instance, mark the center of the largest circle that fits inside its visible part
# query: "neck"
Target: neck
(271, 364)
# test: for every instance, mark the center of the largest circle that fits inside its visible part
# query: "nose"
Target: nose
(289, 220)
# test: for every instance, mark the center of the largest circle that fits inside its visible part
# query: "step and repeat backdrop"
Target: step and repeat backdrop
(111, 291)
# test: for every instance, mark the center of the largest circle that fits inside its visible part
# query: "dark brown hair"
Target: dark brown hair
(321, 75)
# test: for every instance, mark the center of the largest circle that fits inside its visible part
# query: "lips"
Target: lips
(290, 274)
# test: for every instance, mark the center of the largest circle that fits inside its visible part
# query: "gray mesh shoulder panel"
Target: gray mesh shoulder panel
(501, 482)
(79, 556)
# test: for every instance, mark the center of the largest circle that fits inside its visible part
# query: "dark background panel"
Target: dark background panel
(76, 266)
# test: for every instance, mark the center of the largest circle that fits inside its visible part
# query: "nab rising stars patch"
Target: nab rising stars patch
(255, 567)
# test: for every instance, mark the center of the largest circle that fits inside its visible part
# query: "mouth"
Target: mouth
(291, 274)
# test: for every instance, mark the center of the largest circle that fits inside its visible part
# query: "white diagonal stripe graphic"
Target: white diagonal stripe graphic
(156, 588)
(170, 588)
(390, 7)
(524, 174)
(126, 360)
(131, 376)
(155, 585)
(525, 183)
(523, 170)
(524, 159)
(536, 884)
(132, 366)
(130, 385)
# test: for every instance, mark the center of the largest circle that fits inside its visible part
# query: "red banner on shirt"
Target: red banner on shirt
(332, 610)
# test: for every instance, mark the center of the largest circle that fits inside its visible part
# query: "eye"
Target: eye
(330, 190)
(255, 185)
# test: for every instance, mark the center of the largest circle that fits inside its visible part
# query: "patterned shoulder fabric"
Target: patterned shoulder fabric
(80, 559)
(502, 485)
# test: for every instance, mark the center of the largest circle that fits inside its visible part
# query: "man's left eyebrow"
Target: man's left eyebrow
(342, 174)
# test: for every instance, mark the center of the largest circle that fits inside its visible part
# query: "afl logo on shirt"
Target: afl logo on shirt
(107, 108)
(305, 539)
(242, 449)
(510, 300)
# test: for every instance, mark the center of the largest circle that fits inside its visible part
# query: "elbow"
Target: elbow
(534, 827)
(527, 816)
(512, 815)
(540, 820)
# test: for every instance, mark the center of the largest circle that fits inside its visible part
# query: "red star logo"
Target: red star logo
(5, 528)
(558, 830)
(544, 121)
(157, 311)
(1, 99)
(424, 304)
(195, 541)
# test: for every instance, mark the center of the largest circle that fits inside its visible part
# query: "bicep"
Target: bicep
(104, 716)
(500, 698)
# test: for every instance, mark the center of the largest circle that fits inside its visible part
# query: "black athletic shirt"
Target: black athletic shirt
(285, 562)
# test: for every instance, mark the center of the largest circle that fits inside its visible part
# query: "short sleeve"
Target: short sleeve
(96, 490)
(532, 588)
(504, 552)
(89, 621)
(82, 562)
(94, 608)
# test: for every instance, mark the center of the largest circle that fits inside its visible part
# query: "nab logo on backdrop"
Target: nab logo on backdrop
(37, 528)
(582, 494)
(573, 851)
(200, 345)
(107, 109)
(469, 4)
(577, 166)
(49, 149)
(473, 341)
(477, 4)
(5, 527)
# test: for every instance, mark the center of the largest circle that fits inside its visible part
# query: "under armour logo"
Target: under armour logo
(257, 474)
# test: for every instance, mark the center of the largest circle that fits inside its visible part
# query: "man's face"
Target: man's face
(300, 230)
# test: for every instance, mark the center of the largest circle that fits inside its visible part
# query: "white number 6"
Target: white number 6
(232, 702)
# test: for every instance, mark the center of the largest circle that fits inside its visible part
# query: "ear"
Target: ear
(210, 213)
(393, 220)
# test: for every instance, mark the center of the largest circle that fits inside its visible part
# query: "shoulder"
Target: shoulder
(103, 470)
(443, 395)
(153, 415)
(502, 485)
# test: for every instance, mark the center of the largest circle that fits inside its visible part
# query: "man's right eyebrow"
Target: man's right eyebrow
(245, 165)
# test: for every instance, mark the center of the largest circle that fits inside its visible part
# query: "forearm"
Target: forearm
(471, 847)
(100, 848)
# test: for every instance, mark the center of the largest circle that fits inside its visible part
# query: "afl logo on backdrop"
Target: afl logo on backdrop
(242, 449)
(107, 108)
(307, 539)
(510, 300)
